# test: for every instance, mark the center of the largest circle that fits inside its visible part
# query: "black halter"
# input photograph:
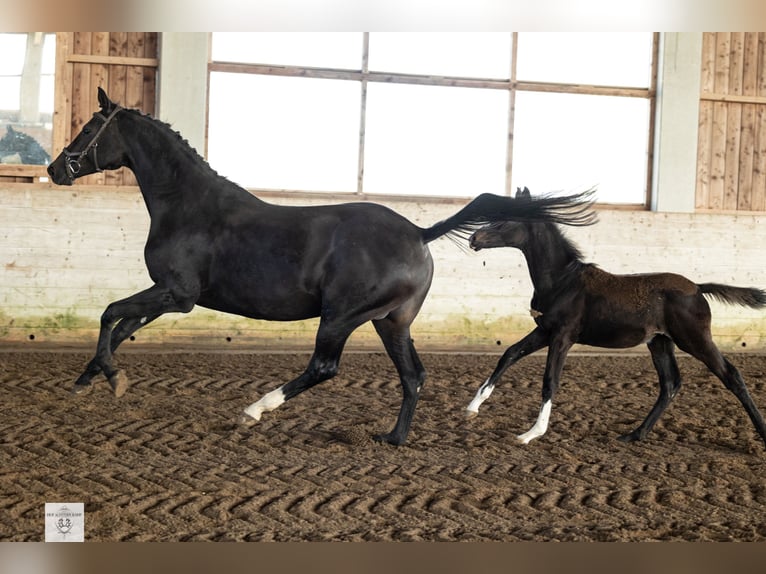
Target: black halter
(73, 159)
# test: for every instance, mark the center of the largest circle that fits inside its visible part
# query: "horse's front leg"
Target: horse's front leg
(534, 341)
(136, 311)
(554, 365)
(120, 333)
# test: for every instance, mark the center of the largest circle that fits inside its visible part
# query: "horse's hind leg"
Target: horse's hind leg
(398, 343)
(322, 366)
(733, 381)
(662, 349)
(699, 344)
(534, 341)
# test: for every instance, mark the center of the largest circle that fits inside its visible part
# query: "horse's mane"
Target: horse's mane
(183, 142)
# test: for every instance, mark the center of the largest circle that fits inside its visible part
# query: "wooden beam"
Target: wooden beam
(112, 60)
(733, 98)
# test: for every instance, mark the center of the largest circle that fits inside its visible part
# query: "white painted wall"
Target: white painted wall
(66, 253)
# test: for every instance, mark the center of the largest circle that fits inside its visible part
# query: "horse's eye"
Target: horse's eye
(86, 130)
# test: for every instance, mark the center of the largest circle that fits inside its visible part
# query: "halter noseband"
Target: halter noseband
(72, 159)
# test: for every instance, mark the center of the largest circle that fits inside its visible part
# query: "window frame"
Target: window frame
(511, 84)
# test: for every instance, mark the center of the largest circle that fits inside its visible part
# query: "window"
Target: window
(433, 114)
(26, 97)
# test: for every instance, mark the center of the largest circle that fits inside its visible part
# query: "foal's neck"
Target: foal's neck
(549, 256)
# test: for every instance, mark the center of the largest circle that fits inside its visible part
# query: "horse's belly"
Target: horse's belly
(616, 335)
(289, 307)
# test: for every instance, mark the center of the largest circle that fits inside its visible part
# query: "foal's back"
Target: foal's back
(627, 310)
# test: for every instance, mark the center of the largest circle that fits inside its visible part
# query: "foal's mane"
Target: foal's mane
(562, 242)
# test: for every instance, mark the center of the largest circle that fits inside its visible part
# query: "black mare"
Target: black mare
(212, 243)
(576, 302)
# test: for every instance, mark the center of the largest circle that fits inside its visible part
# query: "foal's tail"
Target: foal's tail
(487, 208)
(745, 296)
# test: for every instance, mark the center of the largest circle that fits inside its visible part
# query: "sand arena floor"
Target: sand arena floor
(166, 462)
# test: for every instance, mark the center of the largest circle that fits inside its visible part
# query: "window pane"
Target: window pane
(607, 59)
(26, 97)
(426, 140)
(315, 49)
(479, 55)
(284, 133)
(568, 142)
(12, 47)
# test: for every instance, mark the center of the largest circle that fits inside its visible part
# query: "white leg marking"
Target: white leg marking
(541, 425)
(481, 395)
(267, 403)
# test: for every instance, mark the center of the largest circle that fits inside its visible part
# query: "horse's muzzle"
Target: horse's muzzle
(58, 172)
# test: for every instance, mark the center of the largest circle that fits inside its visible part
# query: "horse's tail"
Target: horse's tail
(745, 296)
(487, 208)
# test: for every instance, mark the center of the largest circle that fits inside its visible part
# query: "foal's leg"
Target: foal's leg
(152, 302)
(709, 354)
(398, 343)
(661, 348)
(557, 354)
(534, 341)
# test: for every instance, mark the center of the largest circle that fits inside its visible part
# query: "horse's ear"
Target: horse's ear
(523, 193)
(526, 192)
(103, 100)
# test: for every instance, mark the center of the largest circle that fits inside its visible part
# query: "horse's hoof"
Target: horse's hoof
(119, 383)
(246, 420)
(628, 438)
(471, 414)
(389, 439)
(78, 389)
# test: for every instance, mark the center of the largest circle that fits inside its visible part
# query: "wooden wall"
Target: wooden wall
(731, 154)
(123, 63)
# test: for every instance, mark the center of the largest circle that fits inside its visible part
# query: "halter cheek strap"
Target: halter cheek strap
(73, 159)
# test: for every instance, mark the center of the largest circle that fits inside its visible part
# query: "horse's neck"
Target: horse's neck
(548, 258)
(166, 168)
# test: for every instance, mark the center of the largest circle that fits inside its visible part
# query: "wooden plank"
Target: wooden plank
(134, 80)
(81, 93)
(118, 47)
(731, 168)
(449, 81)
(747, 140)
(99, 77)
(759, 160)
(736, 63)
(722, 55)
(705, 133)
(707, 77)
(62, 112)
(750, 65)
(23, 171)
(113, 60)
(704, 152)
(737, 99)
(761, 81)
(149, 99)
(717, 156)
(718, 135)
